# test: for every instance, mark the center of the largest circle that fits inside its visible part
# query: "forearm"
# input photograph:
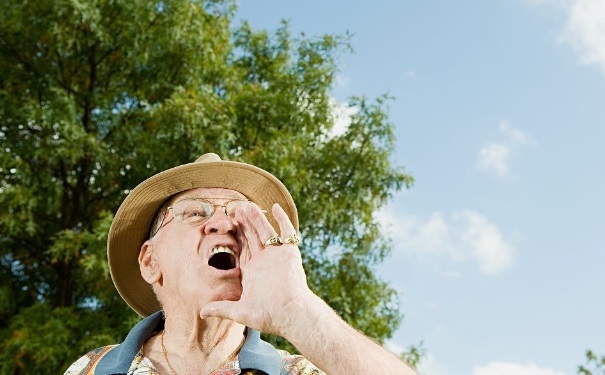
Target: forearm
(334, 346)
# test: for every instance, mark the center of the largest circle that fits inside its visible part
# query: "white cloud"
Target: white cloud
(585, 31)
(516, 136)
(490, 250)
(505, 368)
(429, 365)
(394, 347)
(341, 113)
(342, 80)
(558, 3)
(462, 237)
(495, 157)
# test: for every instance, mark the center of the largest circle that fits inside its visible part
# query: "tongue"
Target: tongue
(222, 261)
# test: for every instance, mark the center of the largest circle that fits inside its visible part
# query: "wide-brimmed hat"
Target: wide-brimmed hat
(131, 224)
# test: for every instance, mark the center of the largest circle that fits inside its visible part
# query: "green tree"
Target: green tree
(96, 96)
(595, 365)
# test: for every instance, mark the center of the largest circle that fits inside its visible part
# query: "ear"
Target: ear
(148, 263)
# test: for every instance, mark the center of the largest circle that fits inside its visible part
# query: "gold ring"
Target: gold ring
(293, 239)
(276, 241)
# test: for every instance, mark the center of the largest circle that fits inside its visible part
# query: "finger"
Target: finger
(222, 309)
(243, 236)
(285, 225)
(251, 219)
(244, 245)
(263, 228)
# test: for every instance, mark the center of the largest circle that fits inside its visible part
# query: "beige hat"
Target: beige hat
(130, 226)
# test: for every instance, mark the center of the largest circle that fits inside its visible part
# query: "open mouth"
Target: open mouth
(222, 258)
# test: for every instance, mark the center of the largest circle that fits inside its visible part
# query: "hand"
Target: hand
(276, 299)
(273, 278)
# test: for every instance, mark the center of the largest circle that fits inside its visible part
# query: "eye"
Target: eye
(197, 212)
(232, 206)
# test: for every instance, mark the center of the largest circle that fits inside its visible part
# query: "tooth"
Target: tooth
(222, 249)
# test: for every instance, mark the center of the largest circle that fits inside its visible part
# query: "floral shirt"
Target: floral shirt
(128, 358)
(141, 365)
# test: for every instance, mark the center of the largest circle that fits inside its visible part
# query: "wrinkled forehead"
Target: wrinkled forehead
(216, 193)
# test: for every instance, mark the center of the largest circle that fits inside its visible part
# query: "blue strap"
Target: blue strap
(118, 360)
(255, 354)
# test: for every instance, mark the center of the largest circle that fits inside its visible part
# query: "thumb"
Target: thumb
(221, 309)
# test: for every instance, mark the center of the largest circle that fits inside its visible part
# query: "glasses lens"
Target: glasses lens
(192, 211)
(232, 206)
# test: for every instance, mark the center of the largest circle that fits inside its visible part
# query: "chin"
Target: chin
(231, 294)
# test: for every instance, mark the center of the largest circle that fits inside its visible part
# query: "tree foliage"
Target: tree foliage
(595, 364)
(96, 96)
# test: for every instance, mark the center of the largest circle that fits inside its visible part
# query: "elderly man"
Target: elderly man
(207, 253)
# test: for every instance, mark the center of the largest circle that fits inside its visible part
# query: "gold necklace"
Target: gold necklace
(168, 361)
(166, 353)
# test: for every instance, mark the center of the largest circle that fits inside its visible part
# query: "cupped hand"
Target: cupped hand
(273, 279)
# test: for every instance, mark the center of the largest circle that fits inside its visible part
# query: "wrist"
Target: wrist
(303, 312)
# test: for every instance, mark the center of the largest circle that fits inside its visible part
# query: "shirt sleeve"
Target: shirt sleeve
(86, 363)
(297, 365)
(79, 366)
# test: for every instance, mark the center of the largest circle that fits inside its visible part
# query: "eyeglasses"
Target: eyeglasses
(195, 211)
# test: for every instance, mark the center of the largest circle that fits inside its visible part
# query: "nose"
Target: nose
(219, 222)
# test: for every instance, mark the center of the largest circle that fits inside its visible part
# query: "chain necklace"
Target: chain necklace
(165, 352)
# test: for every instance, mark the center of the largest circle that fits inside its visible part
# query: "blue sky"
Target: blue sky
(499, 111)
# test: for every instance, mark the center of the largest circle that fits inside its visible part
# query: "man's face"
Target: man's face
(199, 263)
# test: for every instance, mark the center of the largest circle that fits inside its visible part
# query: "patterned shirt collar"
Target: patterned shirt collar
(255, 354)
